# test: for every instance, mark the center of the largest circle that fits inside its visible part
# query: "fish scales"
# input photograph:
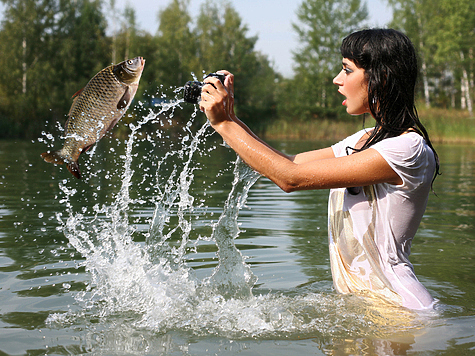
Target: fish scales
(96, 107)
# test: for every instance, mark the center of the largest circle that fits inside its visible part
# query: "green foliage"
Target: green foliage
(21, 43)
(223, 43)
(444, 33)
(51, 48)
(175, 43)
(322, 26)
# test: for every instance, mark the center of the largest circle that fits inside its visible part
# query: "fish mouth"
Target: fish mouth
(142, 63)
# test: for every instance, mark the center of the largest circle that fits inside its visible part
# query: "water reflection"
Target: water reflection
(283, 239)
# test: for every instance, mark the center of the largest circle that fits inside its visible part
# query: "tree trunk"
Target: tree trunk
(465, 87)
(23, 67)
(127, 43)
(426, 83)
(424, 64)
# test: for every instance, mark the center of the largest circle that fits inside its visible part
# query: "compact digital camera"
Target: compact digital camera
(192, 89)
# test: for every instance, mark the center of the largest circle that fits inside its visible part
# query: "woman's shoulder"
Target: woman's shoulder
(408, 150)
(407, 142)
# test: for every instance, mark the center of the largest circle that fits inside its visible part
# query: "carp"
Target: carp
(96, 109)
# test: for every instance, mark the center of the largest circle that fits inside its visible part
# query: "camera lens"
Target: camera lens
(192, 89)
(192, 92)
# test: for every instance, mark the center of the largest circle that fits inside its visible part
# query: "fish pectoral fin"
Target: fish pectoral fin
(112, 124)
(87, 147)
(125, 100)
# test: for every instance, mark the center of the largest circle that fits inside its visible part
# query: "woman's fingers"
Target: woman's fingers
(217, 99)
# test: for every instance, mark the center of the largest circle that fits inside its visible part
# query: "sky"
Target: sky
(270, 20)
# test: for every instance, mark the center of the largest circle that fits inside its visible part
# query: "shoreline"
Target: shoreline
(444, 127)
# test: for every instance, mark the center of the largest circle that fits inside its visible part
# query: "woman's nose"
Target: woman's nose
(338, 79)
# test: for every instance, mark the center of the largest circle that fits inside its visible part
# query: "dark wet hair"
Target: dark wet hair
(389, 60)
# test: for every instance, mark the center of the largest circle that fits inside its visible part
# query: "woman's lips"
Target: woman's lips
(344, 102)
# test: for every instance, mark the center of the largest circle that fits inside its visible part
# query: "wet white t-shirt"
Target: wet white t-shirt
(370, 232)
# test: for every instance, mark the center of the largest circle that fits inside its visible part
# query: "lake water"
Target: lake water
(169, 246)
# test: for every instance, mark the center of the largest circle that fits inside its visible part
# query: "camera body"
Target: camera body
(192, 89)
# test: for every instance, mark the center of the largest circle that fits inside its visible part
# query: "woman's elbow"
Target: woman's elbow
(291, 181)
(288, 187)
(292, 185)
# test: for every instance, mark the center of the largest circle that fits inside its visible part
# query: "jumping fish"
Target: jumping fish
(96, 109)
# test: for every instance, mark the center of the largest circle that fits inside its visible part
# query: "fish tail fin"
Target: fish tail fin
(57, 157)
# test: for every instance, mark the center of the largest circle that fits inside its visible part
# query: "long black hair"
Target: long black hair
(389, 60)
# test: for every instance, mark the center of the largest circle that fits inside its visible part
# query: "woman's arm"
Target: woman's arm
(298, 158)
(358, 169)
(311, 170)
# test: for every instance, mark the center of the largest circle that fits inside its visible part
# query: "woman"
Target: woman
(380, 178)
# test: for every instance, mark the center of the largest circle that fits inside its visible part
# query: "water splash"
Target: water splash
(233, 277)
(145, 276)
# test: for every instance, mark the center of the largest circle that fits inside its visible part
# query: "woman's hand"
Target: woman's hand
(217, 101)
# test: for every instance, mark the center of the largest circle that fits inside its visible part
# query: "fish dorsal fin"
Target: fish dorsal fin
(66, 125)
(72, 106)
(125, 100)
(75, 98)
(77, 93)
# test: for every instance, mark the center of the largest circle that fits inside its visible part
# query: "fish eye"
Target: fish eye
(130, 62)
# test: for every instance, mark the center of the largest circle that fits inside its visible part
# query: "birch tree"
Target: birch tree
(444, 33)
(322, 24)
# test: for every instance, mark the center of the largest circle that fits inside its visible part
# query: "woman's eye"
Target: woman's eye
(347, 71)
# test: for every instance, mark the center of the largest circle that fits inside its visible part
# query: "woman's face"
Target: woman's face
(353, 86)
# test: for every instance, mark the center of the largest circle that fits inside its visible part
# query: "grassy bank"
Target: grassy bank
(444, 126)
(448, 126)
(322, 129)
